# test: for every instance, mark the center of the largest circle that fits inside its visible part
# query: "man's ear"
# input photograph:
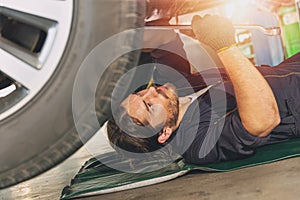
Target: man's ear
(165, 135)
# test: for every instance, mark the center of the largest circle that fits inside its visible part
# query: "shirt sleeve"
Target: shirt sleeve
(236, 138)
(234, 141)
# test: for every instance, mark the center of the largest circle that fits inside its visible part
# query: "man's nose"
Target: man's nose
(151, 92)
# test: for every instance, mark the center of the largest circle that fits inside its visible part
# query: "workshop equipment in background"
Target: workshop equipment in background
(289, 21)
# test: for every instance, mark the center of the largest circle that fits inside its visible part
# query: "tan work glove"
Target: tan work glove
(214, 31)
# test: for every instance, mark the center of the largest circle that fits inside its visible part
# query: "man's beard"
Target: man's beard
(173, 108)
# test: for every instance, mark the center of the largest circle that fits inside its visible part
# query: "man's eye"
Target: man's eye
(149, 105)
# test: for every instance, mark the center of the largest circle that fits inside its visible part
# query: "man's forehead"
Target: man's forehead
(125, 102)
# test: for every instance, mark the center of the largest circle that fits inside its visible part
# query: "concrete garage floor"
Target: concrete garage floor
(279, 180)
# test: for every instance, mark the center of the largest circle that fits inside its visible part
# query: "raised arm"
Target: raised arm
(257, 106)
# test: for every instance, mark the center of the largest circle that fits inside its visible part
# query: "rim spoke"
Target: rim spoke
(21, 72)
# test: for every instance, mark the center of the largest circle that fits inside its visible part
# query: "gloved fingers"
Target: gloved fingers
(196, 23)
(196, 18)
(214, 31)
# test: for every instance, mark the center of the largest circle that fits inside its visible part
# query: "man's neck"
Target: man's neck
(185, 102)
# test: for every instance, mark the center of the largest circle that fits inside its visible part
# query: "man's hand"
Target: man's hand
(214, 31)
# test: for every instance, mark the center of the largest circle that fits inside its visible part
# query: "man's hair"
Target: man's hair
(134, 142)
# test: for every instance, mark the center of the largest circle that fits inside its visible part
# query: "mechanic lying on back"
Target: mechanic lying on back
(222, 121)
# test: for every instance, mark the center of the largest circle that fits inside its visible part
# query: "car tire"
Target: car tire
(42, 133)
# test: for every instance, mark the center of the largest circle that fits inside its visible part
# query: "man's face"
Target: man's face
(155, 106)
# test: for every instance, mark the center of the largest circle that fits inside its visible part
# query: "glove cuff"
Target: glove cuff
(225, 48)
(219, 43)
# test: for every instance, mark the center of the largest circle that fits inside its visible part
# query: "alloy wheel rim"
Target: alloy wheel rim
(31, 68)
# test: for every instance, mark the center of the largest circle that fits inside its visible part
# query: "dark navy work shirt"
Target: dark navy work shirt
(211, 130)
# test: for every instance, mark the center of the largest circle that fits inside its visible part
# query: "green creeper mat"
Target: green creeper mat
(95, 178)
